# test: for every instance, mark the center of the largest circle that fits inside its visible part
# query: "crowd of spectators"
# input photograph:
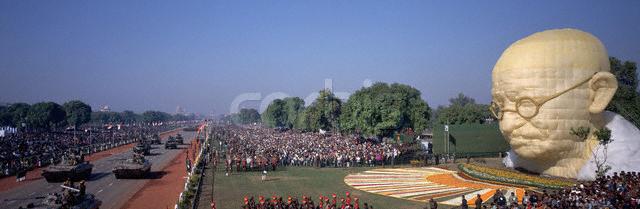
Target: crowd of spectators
(259, 148)
(620, 190)
(25, 151)
(305, 202)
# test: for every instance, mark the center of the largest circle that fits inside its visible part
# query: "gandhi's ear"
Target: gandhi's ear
(602, 87)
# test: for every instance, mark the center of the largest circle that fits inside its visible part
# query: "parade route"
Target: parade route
(113, 193)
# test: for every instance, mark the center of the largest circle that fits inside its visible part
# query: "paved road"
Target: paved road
(113, 192)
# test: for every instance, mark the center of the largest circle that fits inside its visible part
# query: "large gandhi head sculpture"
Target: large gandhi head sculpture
(546, 84)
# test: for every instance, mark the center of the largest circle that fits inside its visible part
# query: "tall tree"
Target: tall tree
(78, 112)
(275, 114)
(283, 112)
(18, 113)
(5, 116)
(46, 115)
(151, 116)
(323, 113)
(461, 100)
(462, 109)
(293, 106)
(246, 116)
(383, 109)
(129, 116)
(626, 100)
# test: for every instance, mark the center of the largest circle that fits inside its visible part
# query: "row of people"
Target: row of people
(617, 191)
(620, 190)
(305, 202)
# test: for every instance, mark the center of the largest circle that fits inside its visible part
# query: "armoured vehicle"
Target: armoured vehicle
(142, 148)
(71, 167)
(171, 143)
(155, 139)
(71, 198)
(179, 139)
(136, 167)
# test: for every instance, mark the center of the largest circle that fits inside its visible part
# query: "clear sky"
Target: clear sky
(141, 55)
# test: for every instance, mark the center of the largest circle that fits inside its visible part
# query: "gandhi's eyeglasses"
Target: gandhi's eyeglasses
(527, 107)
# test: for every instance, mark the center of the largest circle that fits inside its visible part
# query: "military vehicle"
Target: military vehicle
(179, 139)
(136, 167)
(171, 143)
(155, 139)
(142, 148)
(71, 198)
(71, 167)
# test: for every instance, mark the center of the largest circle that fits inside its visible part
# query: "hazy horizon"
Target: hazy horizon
(156, 55)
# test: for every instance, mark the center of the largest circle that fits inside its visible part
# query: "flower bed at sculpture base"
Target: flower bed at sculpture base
(422, 184)
(512, 177)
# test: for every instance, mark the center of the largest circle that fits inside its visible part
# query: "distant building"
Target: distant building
(105, 108)
(180, 110)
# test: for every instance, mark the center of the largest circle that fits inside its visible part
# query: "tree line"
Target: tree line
(383, 109)
(50, 115)
(378, 110)
(626, 100)
(245, 116)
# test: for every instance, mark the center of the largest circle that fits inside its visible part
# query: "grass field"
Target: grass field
(229, 191)
(473, 139)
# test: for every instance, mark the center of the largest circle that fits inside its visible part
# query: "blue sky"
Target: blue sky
(141, 55)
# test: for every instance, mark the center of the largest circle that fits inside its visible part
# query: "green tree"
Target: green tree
(129, 116)
(462, 109)
(293, 106)
(46, 115)
(461, 100)
(324, 112)
(383, 109)
(626, 100)
(302, 121)
(283, 112)
(151, 116)
(5, 116)
(275, 115)
(78, 112)
(18, 113)
(604, 138)
(246, 116)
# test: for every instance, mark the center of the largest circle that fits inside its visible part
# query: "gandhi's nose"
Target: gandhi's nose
(511, 121)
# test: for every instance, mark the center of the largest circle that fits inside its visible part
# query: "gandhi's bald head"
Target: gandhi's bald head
(546, 84)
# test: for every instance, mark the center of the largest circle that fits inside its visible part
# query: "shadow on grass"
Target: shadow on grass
(272, 179)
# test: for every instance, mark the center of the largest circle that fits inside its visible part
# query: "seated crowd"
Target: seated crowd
(616, 191)
(305, 202)
(28, 150)
(620, 190)
(257, 148)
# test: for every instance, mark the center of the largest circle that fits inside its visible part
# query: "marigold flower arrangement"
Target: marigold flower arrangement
(512, 177)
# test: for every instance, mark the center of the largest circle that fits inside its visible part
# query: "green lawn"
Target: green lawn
(472, 139)
(229, 191)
